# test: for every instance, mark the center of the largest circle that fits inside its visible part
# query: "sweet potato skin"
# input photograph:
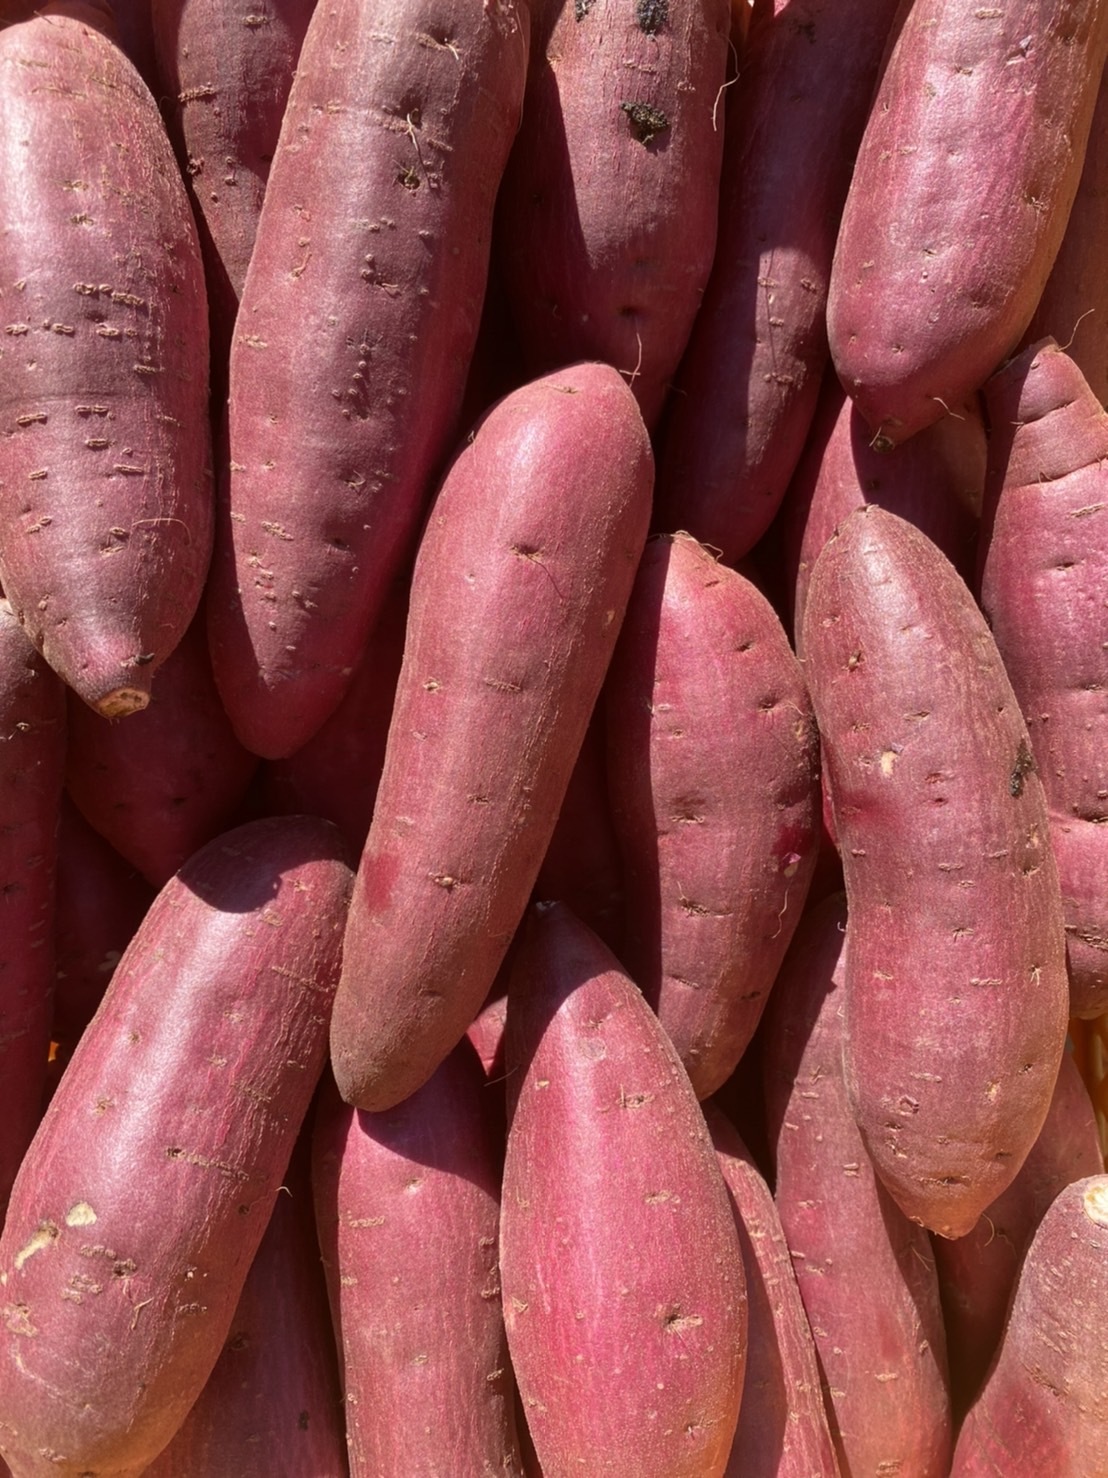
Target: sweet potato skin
(748, 383)
(718, 822)
(1044, 1408)
(956, 992)
(959, 199)
(1043, 578)
(32, 770)
(606, 225)
(149, 1184)
(408, 1208)
(519, 589)
(355, 332)
(866, 1274)
(105, 459)
(623, 1287)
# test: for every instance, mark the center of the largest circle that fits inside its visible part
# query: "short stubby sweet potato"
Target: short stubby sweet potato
(519, 589)
(606, 223)
(149, 1184)
(956, 993)
(623, 1286)
(355, 331)
(1043, 582)
(962, 188)
(105, 457)
(713, 759)
(1044, 1407)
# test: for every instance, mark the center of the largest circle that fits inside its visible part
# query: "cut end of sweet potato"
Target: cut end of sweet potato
(121, 701)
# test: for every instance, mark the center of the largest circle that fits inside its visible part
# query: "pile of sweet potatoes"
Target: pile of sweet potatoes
(553, 739)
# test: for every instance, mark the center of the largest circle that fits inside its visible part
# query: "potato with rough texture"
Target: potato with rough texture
(956, 995)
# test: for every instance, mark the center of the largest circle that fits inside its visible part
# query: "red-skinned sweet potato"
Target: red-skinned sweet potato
(408, 1208)
(105, 493)
(623, 1287)
(936, 480)
(355, 332)
(1043, 580)
(169, 779)
(747, 386)
(272, 1407)
(956, 991)
(977, 1272)
(714, 763)
(782, 1431)
(1044, 1408)
(961, 191)
(32, 769)
(520, 586)
(147, 1188)
(866, 1274)
(606, 224)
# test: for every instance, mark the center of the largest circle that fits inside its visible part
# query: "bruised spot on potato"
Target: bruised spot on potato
(80, 1215)
(646, 122)
(47, 1234)
(675, 1322)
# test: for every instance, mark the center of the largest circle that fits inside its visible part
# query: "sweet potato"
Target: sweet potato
(936, 481)
(623, 1286)
(146, 1190)
(747, 386)
(408, 1208)
(169, 779)
(1043, 579)
(1044, 1408)
(977, 1272)
(32, 768)
(225, 73)
(782, 1431)
(355, 332)
(520, 586)
(271, 1407)
(866, 1274)
(956, 991)
(713, 760)
(961, 191)
(606, 224)
(105, 495)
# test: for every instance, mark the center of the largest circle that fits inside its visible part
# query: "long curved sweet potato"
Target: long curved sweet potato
(956, 991)
(963, 184)
(143, 1197)
(520, 586)
(105, 476)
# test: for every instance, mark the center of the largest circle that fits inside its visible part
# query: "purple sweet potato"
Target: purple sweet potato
(105, 496)
(520, 586)
(866, 1274)
(225, 72)
(146, 1190)
(32, 768)
(961, 191)
(355, 331)
(606, 224)
(271, 1407)
(713, 759)
(623, 1286)
(169, 779)
(1074, 306)
(1043, 584)
(977, 1272)
(956, 991)
(748, 383)
(783, 1430)
(1044, 1408)
(936, 481)
(408, 1208)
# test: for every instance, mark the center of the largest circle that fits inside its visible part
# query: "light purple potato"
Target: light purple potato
(1043, 580)
(956, 994)
(519, 589)
(623, 1286)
